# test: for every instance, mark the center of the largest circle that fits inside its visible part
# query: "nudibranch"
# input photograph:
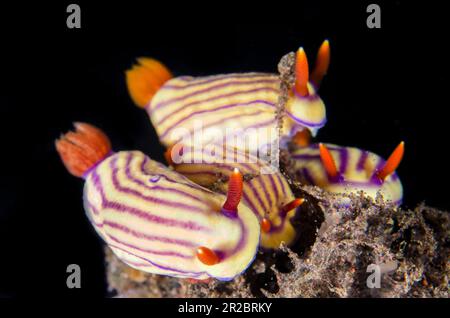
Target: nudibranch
(155, 219)
(230, 102)
(265, 190)
(349, 170)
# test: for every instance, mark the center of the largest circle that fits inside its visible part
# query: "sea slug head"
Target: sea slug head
(305, 108)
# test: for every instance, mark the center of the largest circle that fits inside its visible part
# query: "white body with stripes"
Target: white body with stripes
(154, 219)
(214, 109)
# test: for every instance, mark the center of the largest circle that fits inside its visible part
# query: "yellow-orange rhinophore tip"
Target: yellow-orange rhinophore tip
(292, 205)
(235, 186)
(265, 225)
(207, 256)
(301, 73)
(302, 138)
(322, 63)
(392, 163)
(144, 80)
(328, 161)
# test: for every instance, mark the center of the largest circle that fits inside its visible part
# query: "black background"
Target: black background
(384, 85)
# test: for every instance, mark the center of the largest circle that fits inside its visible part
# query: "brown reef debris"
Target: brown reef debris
(411, 247)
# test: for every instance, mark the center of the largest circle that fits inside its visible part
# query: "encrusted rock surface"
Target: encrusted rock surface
(411, 247)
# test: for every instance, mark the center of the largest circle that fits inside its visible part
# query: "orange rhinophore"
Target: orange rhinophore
(207, 256)
(82, 149)
(293, 204)
(265, 225)
(328, 161)
(322, 63)
(301, 73)
(234, 195)
(392, 162)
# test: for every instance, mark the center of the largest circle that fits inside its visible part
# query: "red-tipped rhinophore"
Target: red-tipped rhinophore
(292, 205)
(322, 63)
(265, 225)
(234, 194)
(301, 73)
(207, 256)
(392, 163)
(328, 161)
(82, 149)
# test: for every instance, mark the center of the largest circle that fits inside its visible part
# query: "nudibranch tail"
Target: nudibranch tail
(145, 79)
(82, 149)
(235, 186)
(322, 64)
(392, 163)
(301, 73)
(328, 162)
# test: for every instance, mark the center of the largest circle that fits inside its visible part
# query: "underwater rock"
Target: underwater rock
(410, 246)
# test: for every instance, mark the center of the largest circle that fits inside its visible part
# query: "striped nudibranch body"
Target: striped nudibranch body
(244, 103)
(356, 172)
(265, 189)
(154, 218)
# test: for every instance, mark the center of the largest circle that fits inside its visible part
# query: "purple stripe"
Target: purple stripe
(213, 110)
(267, 194)
(144, 215)
(214, 78)
(156, 187)
(91, 207)
(216, 87)
(171, 204)
(343, 154)
(256, 195)
(250, 203)
(211, 99)
(362, 160)
(149, 251)
(306, 157)
(224, 119)
(274, 188)
(283, 189)
(309, 179)
(188, 183)
(140, 235)
(164, 268)
(307, 123)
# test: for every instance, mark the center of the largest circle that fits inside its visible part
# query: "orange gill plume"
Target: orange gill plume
(81, 149)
